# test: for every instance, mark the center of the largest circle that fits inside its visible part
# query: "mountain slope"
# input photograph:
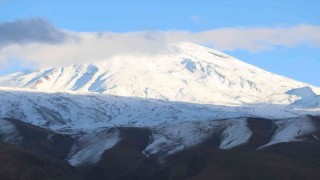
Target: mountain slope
(190, 73)
(17, 164)
(175, 126)
(157, 112)
(129, 159)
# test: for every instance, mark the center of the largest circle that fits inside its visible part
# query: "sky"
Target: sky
(279, 36)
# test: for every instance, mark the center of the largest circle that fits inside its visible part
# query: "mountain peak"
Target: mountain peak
(191, 73)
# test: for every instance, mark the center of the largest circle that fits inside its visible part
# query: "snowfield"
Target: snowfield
(85, 112)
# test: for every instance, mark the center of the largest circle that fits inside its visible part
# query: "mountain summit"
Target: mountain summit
(190, 73)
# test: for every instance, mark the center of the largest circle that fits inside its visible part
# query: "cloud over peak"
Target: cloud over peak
(36, 41)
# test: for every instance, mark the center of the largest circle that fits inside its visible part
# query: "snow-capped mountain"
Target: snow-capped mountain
(190, 73)
(183, 98)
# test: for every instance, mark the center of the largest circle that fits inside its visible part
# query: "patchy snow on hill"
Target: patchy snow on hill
(89, 147)
(9, 132)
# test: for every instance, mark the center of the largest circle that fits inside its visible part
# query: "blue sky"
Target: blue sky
(301, 61)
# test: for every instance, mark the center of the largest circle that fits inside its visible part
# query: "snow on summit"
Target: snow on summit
(192, 73)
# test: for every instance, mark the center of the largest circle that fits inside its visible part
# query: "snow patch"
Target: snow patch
(236, 133)
(89, 148)
(304, 92)
(8, 132)
(292, 130)
(170, 138)
(308, 99)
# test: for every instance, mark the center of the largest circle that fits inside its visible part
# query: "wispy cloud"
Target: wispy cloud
(254, 39)
(38, 42)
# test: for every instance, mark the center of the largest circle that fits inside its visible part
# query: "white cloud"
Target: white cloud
(93, 46)
(252, 39)
(87, 47)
